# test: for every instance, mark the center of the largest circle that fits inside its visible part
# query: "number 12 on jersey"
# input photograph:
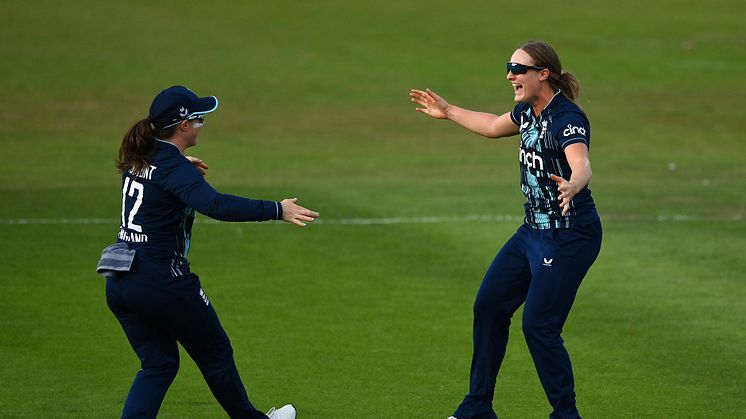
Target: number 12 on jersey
(134, 187)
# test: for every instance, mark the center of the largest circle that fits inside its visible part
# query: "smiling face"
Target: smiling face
(527, 87)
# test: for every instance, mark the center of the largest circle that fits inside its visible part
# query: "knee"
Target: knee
(170, 369)
(486, 309)
(531, 328)
(483, 308)
(217, 359)
(167, 368)
(539, 329)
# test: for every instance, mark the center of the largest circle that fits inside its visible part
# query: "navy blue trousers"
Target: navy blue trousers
(544, 269)
(155, 314)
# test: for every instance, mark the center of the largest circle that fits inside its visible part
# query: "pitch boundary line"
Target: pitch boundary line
(473, 218)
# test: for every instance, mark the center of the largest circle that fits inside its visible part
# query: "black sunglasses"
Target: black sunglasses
(516, 68)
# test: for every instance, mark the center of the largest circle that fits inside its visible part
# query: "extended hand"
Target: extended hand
(294, 213)
(198, 164)
(434, 105)
(567, 191)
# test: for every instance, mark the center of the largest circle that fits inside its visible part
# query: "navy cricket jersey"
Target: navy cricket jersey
(543, 140)
(158, 208)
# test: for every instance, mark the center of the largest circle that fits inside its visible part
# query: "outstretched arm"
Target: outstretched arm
(486, 124)
(192, 189)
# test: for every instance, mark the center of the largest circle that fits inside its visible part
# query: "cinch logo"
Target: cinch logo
(531, 160)
(183, 112)
(571, 129)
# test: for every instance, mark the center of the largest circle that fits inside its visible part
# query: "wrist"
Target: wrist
(449, 111)
(278, 206)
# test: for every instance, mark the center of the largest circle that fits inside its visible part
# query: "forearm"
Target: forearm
(479, 122)
(483, 123)
(226, 207)
(581, 174)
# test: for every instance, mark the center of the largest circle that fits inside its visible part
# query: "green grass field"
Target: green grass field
(356, 321)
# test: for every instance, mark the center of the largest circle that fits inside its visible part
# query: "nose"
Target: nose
(510, 76)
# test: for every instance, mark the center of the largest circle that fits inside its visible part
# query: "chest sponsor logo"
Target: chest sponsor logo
(531, 159)
(572, 129)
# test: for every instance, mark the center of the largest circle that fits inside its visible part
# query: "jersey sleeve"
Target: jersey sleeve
(570, 128)
(187, 184)
(515, 114)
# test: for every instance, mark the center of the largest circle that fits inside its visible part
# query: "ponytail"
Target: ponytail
(569, 85)
(138, 146)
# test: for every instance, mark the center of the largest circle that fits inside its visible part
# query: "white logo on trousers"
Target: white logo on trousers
(548, 262)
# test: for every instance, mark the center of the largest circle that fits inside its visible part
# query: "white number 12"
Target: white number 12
(134, 186)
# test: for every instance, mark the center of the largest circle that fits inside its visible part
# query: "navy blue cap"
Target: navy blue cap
(178, 103)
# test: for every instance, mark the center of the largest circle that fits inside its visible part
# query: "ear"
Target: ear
(184, 125)
(544, 75)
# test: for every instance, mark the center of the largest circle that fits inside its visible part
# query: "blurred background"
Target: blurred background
(367, 314)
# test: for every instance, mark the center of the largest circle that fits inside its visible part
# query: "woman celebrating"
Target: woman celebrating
(149, 287)
(544, 262)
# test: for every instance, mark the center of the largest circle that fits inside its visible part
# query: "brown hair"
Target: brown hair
(138, 145)
(546, 56)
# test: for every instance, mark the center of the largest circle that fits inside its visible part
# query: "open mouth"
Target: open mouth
(517, 88)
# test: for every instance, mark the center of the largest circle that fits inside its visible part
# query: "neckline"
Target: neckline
(551, 100)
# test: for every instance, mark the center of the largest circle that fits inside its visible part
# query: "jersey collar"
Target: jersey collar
(172, 144)
(551, 101)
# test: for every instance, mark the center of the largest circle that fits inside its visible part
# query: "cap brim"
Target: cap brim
(205, 105)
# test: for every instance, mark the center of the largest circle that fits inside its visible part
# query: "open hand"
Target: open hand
(434, 105)
(567, 191)
(295, 214)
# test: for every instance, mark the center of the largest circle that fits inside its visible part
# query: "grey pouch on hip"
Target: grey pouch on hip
(115, 258)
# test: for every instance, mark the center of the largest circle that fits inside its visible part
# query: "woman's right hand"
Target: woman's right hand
(295, 214)
(434, 105)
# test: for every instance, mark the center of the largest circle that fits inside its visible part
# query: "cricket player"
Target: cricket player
(150, 287)
(544, 262)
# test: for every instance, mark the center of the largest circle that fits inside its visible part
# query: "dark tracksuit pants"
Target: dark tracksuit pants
(155, 314)
(544, 269)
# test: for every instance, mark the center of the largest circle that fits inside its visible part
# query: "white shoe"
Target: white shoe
(285, 412)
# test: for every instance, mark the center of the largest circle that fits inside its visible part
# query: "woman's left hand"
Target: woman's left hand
(567, 190)
(198, 164)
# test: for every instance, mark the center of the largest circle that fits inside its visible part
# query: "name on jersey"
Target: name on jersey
(145, 173)
(572, 129)
(132, 237)
(531, 159)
